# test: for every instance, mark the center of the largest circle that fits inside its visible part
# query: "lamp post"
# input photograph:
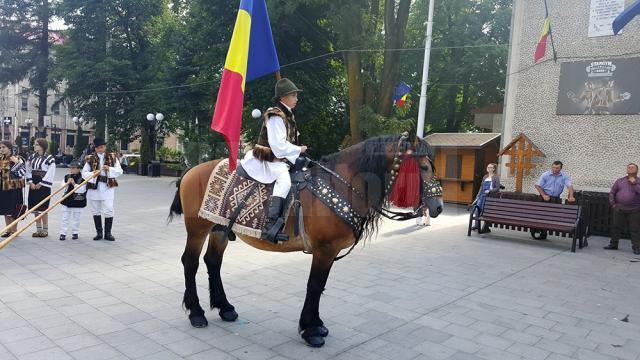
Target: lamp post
(29, 122)
(154, 122)
(5, 123)
(78, 121)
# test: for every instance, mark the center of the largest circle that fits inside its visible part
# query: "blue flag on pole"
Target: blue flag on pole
(626, 16)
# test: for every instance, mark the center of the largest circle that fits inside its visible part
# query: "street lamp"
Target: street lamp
(154, 122)
(5, 123)
(78, 121)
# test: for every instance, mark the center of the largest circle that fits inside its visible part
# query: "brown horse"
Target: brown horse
(366, 170)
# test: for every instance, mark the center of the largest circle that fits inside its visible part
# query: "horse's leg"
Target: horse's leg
(213, 259)
(196, 236)
(311, 327)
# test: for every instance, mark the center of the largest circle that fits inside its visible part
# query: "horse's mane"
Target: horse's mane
(370, 161)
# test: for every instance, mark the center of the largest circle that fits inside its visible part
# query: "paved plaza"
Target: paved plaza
(411, 293)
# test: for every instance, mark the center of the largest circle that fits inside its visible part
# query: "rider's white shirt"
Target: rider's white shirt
(264, 171)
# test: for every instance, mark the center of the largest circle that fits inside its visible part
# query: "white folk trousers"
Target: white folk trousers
(102, 207)
(70, 216)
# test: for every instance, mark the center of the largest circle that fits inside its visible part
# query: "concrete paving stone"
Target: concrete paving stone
(489, 328)
(138, 349)
(461, 331)
(434, 350)
(210, 355)
(578, 342)
(63, 331)
(556, 347)
(228, 342)
(432, 322)
(98, 352)
(77, 342)
(490, 353)
(584, 354)
(463, 356)
(121, 337)
(188, 346)
(169, 335)
(461, 344)
(48, 354)
(528, 352)
(29, 345)
(618, 352)
(542, 332)
(253, 352)
(493, 341)
(163, 355)
(19, 333)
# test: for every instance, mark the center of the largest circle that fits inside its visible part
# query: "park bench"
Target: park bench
(523, 215)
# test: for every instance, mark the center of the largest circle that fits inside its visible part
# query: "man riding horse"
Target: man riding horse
(276, 149)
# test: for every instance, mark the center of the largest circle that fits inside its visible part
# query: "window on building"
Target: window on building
(71, 140)
(454, 167)
(56, 108)
(124, 145)
(24, 101)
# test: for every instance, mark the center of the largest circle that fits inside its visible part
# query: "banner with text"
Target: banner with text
(599, 87)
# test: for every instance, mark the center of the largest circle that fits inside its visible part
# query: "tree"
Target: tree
(109, 57)
(24, 45)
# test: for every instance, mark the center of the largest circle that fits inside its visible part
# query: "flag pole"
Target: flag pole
(422, 109)
(553, 46)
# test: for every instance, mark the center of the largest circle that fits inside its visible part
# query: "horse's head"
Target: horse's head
(411, 147)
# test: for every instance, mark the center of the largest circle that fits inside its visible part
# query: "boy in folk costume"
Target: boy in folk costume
(41, 169)
(276, 148)
(73, 205)
(101, 189)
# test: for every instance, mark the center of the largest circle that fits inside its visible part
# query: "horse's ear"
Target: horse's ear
(414, 140)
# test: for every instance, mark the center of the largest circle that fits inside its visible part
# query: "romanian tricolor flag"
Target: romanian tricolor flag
(546, 30)
(251, 55)
(400, 94)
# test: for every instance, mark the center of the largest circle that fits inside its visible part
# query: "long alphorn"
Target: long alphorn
(6, 241)
(33, 208)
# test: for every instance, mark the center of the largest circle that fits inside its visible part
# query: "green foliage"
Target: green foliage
(373, 124)
(165, 154)
(53, 148)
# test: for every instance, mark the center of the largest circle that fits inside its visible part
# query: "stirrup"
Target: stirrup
(273, 234)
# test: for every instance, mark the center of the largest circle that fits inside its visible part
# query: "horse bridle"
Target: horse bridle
(433, 188)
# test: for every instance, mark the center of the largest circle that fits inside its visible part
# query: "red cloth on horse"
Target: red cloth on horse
(406, 190)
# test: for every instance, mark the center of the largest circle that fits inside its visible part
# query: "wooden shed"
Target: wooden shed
(461, 162)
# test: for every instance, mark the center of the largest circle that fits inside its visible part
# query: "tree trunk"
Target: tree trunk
(452, 97)
(42, 66)
(395, 27)
(354, 77)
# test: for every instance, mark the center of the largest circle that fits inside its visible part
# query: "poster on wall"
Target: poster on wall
(603, 12)
(600, 87)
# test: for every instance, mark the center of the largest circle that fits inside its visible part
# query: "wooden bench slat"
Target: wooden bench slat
(529, 215)
(526, 202)
(532, 225)
(517, 207)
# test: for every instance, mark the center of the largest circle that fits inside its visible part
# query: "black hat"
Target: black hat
(98, 142)
(75, 164)
(284, 87)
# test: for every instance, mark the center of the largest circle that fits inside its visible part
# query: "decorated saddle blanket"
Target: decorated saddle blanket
(225, 192)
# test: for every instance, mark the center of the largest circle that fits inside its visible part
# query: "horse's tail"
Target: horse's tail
(176, 205)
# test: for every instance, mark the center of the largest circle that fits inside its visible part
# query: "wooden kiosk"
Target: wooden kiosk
(461, 162)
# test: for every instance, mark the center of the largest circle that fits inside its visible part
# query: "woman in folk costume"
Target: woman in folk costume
(276, 148)
(12, 171)
(41, 168)
(101, 189)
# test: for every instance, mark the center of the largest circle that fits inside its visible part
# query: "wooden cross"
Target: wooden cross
(521, 150)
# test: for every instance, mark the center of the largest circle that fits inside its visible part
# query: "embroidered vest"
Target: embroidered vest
(9, 182)
(94, 163)
(261, 150)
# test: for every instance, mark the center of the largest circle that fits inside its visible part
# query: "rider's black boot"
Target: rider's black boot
(275, 221)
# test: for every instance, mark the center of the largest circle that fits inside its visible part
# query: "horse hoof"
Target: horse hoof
(322, 331)
(314, 336)
(229, 315)
(198, 321)
(314, 341)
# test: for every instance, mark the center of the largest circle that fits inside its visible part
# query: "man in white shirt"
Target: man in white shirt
(276, 149)
(101, 189)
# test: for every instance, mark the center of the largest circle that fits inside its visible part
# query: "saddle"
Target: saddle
(238, 203)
